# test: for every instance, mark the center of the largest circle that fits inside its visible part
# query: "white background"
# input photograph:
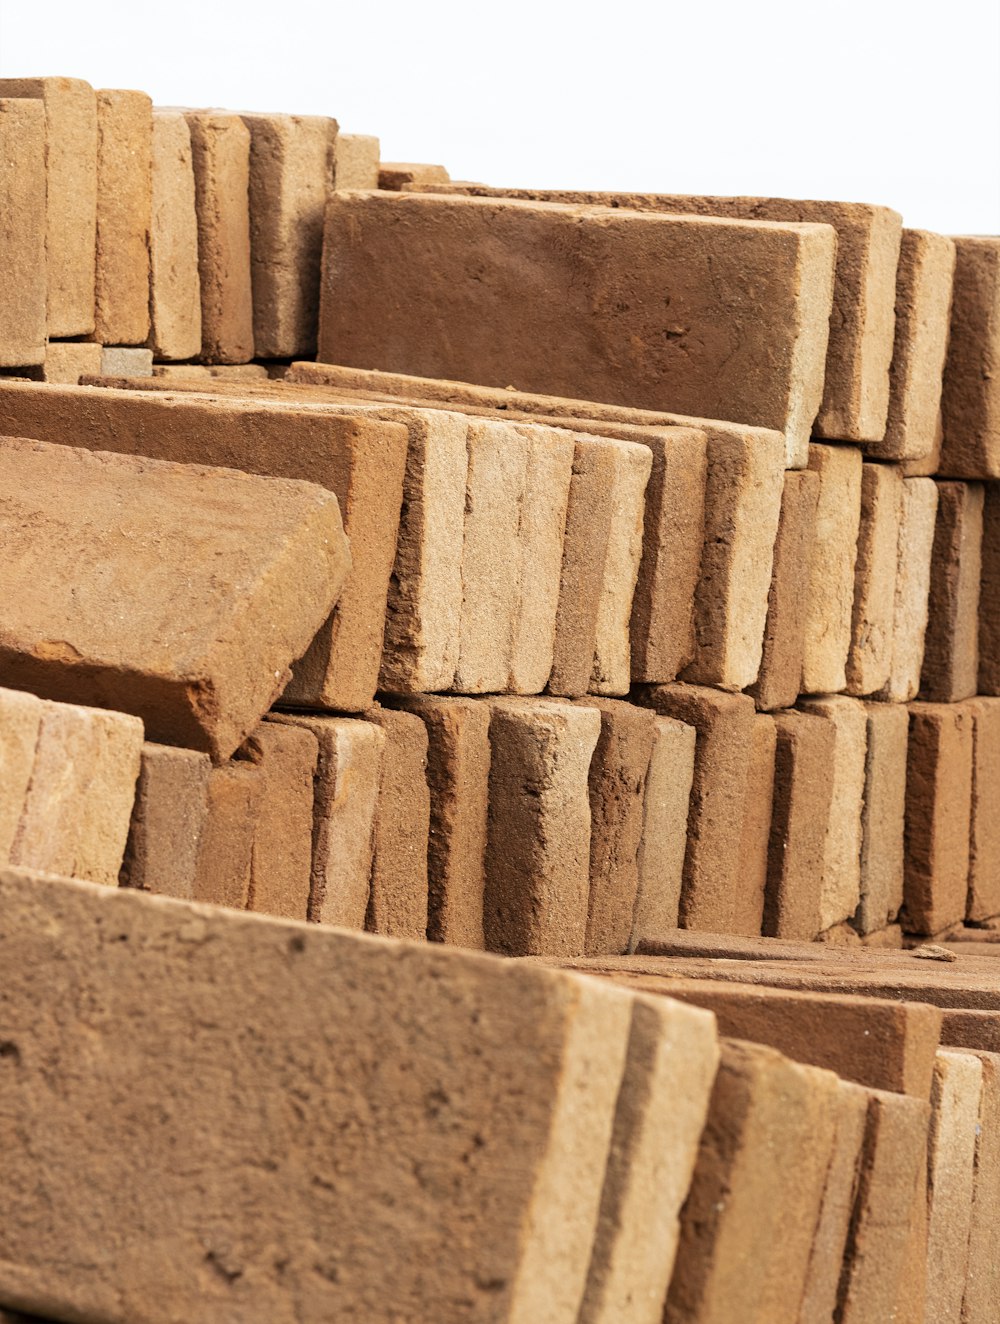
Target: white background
(883, 101)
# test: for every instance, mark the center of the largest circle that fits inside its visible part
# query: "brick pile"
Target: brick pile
(610, 581)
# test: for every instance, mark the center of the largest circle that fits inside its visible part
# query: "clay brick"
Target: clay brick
(492, 328)
(938, 813)
(346, 793)
(869, 659)
(831, 579)
(397, 175)
(71, 197)
(458, 773)
(883, 817)
(360, 458)
(976, 1030)
(20, 721)
(220, 152)
(951, 641)
(663, 843)
(756, 828)
(612, 665)
(918, 516)
(520, 1067)
(538, 846)
(841, 887)
(958, 1079)
(357, 161)
(212, 626)
(397, 902)
(291, 175)
(174, 288)
(123, 362)
(982, 1283)
(124, 216)
(923, 308)
(171, 805)
(224, 865)
(662, 1106)
(984, 840)
(286, 759)
(780, 673)
(989, 595)
(970, 401)
(66, 361)
(710, 899)
(22, 240)
(743, 1252)
(800, 817)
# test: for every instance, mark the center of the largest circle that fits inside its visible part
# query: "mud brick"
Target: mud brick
(913, 580)
(124, 216)
(756, 826)
(117, 361)
(538, 845)
(883, 817)
(975, 1030)
(397, 902)
(711, 898)
(958, 1079)
(522, 1067)
(66, 361)
(982, 1284)
(22, 242)
(174, 288)
(220, 151)
(984, 841)
(938, 814)
(831, 580)
(662, 1106)
(612, 668)
(869, 659)
(286, 759)
(211, 624)
(923, 308)
(71, 197)
(841, 887)
(744, 1253)
(492, 328)
(800, 818)
(951, 642)
(357, 161)
(397, 175)
(291, 175)
(780, 674)
(664, 828)
(970, 401)
(346, 793)
(20, 721)
(171, 804)
(458, 773)
(224, 866)
(989, 596)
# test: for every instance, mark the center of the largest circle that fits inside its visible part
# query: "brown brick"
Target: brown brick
(958, 1079)
(286, 759)
(831, 580)
(883, 817)
(982, 1283)
(66, 361)
(989, 597)
(977, 1030)
(869, 659)
(970, 401)
(124, 214)
(664, 829)
(225, 852)
(756, 827)
(612, 665)
(357, 161)
(951, 642)
(397, 175)
(19, 728)
(175, 288)
(397, 902)
(171, 804)
(22, 242)
(918, 516)
(984, 840)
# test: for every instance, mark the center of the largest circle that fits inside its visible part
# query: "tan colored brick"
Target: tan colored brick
(869, 659)
(883, 816)
(286, 759)
(66, 361)
(124, 216)
(663, 844)
(20, 722)
(175, 288)
(168, 820)
(357, 161)
(982, 1283)
(831, 580)
(22, 241)
(984, 841)
(958, 1080)
(612, 668)
(397, 175)
(756, 827)
(989, 595)
(397, 902)
(951, 642)
(912, 592)
(970, 402)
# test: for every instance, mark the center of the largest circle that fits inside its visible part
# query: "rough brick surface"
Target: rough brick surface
(357, 161)
(982, 1284)
(869, 659)
(397, 902)
(800, 816)
(124, 213)
(756, 827)
(970, 402)
(913, 579)
(831, 578)
(171, 805)
(989, 597)
(951, 641)
(883, 817)
(175, 288)
(612, 666)
(224, 867)
(958, 1079)
(286, 758)
(397, 175)
(22, 237)
(663, 844)
(66, 361)
(984, 838)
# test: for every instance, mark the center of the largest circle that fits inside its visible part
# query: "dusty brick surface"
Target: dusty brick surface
(831, 578)
(22, 240)
(989, 595)
(224, 868)
(397, 175)
(869, 659)
(397, 902)
(119, 361)
(883, 817)
(171, 805)
(982, 1284)
(175, 287)
(663, 844)
(124, 216)
(984, 839)
(357, 161)
(958, 1079)
(970, 402)
(66, 361)
(286, 758)
(918, 518)
(756, 826)
(951, 640)
(612, 665)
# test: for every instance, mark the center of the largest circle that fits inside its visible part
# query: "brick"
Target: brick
(951, 642)
(800, 817)
(174, 287)
(71, 197)
(970, 402)
(358, 457)
(780, 673)
(19, 729)
(538, 845)
(662, 1106)
(521, 1067)
(918, 515)
(291, 175)
(756, 826)
(168, 820)
(641, 357)
(22, 242)
(923, 307)
(883, 817)
(710, 899)
(117, 361)
(397, 175)
(612, 666)
(984, 839)
(841, 887)
(831, 579)
(989, 595)
(397, 902)
(663, 844)
(982, 1283)
(357, 161)
(744, 1253)
(958, 1081)
(224, 866)
(345, 802)
(124, 215)
(976, 1030)
(220, 152)
(286, 758)
(458, 773)
(66, 361)
(212, 626)
(869, 659)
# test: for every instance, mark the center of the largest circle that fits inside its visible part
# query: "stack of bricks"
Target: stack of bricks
(610, 581)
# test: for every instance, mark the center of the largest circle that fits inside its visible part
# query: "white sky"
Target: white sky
(868, 100)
